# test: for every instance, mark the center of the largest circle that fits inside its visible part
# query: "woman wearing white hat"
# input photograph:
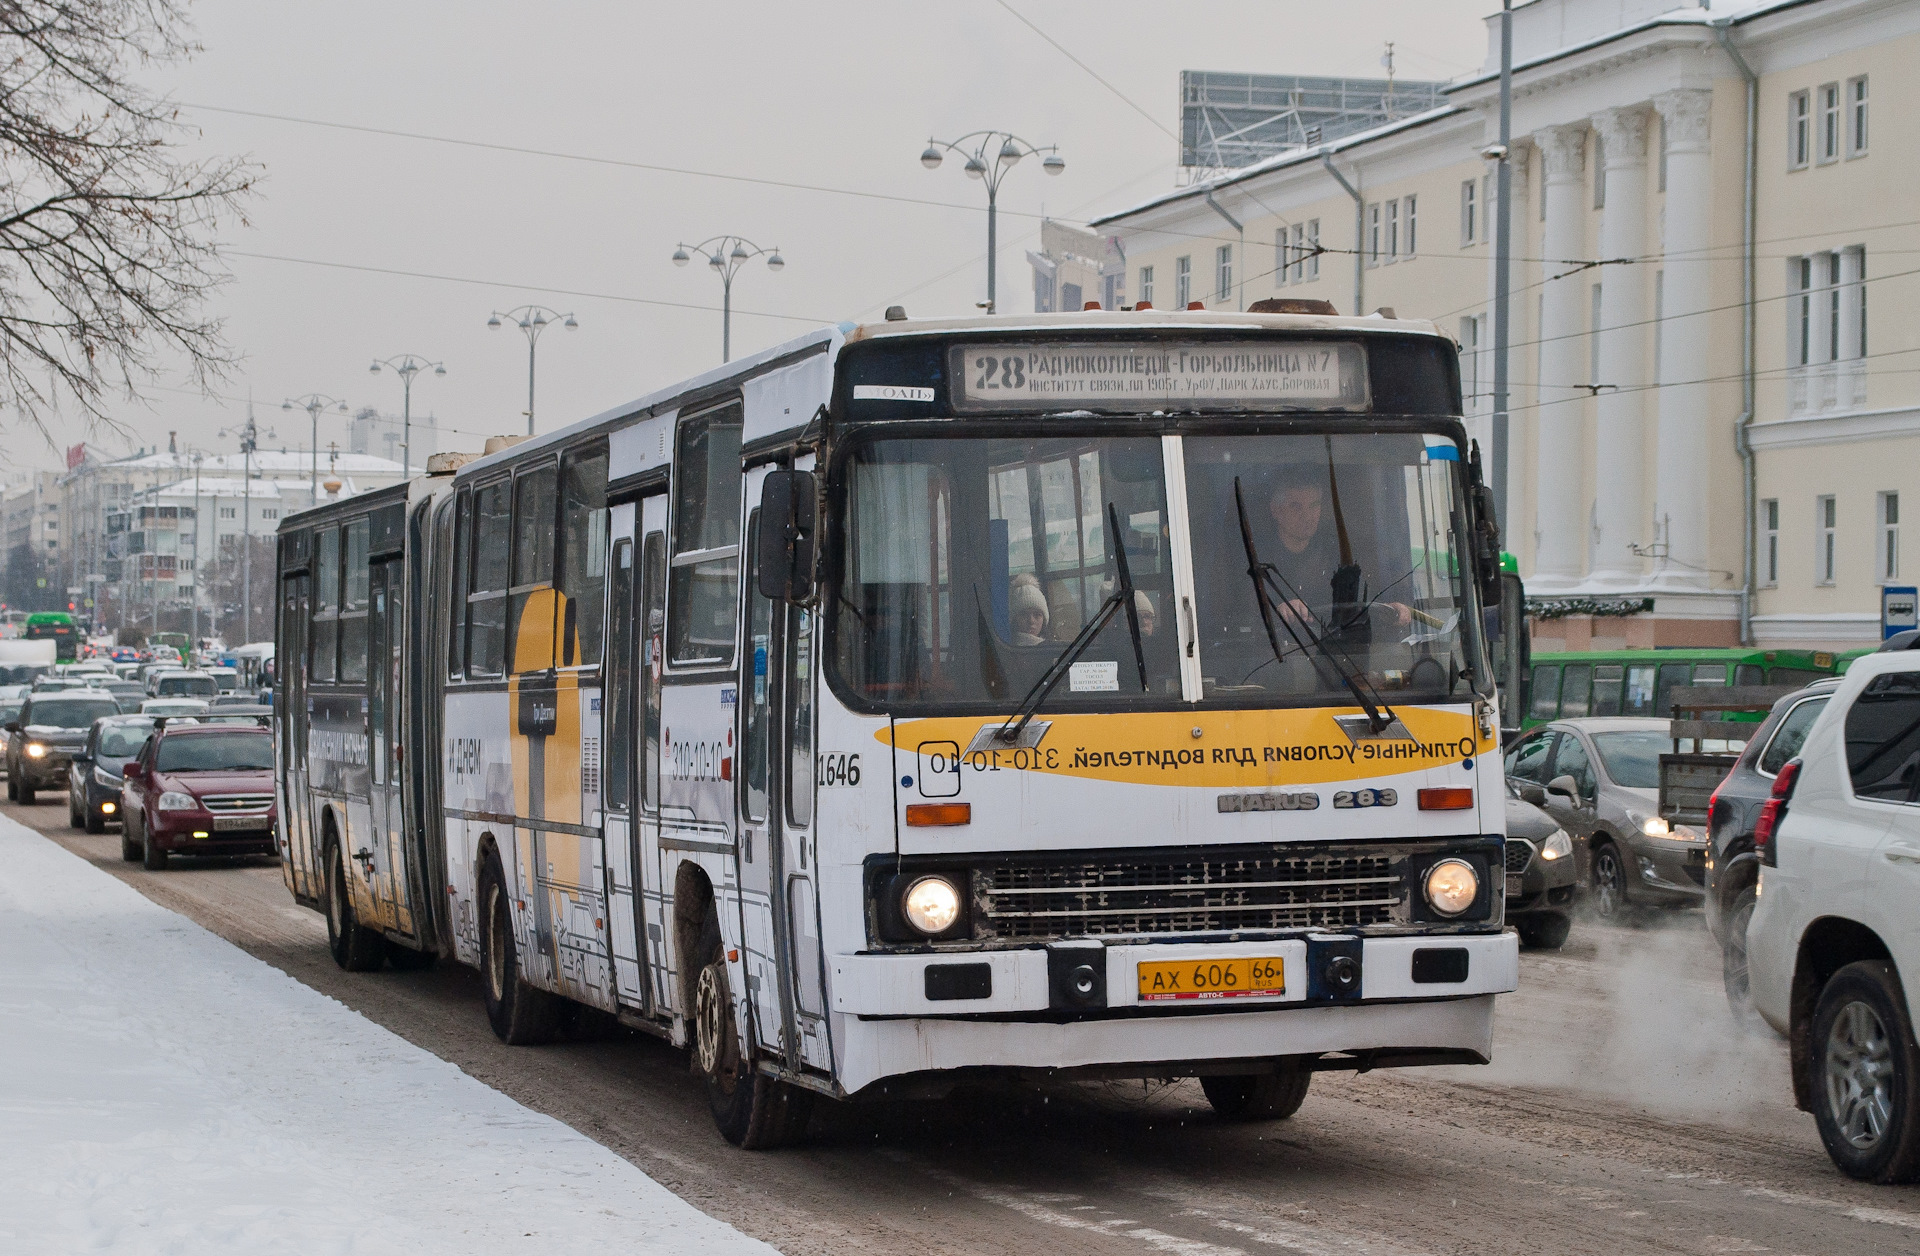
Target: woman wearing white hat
(1027, 610)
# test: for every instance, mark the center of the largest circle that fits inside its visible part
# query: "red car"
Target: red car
(198, 789)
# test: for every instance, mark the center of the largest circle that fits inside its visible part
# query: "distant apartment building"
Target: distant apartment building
(30, 527)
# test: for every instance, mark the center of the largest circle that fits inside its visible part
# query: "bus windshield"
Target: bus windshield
(969, 564)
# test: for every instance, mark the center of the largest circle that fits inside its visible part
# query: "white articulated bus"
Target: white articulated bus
(1104, 694)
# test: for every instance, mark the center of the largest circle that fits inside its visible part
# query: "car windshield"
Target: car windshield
(10, 709)
(1632, 759)
(185, 687)
(968, 564)
(69, 712)
(123, 741)
(216, 752)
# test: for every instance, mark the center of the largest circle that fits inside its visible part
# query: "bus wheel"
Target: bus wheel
(521, 1014)
(753, 1111)
(1258, 1096)
(356, 949)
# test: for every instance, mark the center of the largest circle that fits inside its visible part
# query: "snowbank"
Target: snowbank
(161, 1091)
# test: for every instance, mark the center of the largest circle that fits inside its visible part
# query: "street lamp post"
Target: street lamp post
(249, 435)
(1006, 150)
(406, 366)
(313, 404)
(725, 257)
(532, 319)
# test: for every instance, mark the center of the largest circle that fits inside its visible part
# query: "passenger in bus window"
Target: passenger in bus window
(1027, 610)
(1143, 609)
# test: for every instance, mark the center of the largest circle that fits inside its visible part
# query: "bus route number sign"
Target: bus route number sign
(1152, 375)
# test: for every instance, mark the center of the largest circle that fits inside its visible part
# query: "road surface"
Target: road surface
(1624, 1113)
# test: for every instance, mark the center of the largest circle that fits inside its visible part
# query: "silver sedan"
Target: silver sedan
(1602, 780)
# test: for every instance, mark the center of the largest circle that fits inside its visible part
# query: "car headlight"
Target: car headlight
(174, 800)
(36, 750)
(1655, 826)
(931, 905)
(1452, 885)
(1557, 846)
(110, 779)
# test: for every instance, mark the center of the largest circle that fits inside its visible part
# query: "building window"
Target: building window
(229, 512)
(1407, 240)
(1146, 285)
(1857, 117)
(1393, 230)
(1313, 251)
(269, 512)
(1472, 337)
(1887, 543)
(1829, 122)
(1827, 307)
(1469, 212)
(1113, 290)
(1593, 339)
(1223, 273)
(1182, 282)
(1282, 258)
(1825, 516)
(1799, 131)
(1042, 293)
(1373, 235)
(1770, 540)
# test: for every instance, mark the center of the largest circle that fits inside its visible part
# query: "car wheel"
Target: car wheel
(1733, 957)
(74, 819)
(93, 821)
(24, 793)
(521, 1013)
(152, 858)
(1862, 1070)
(751, 1110)
(354, 948)
(1549, 933)
(1609, 883)
(1271, 1096)
(129, 840)
(13, 786)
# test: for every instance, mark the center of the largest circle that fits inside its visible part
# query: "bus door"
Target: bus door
(302, 869)
(650, 644)
(385, 863)
(797, 676)
(626, 916)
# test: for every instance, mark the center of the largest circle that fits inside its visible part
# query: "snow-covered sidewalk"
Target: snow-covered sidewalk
(163, 1091)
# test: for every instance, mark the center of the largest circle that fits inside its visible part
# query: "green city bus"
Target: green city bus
(57, 627)
(1641, 682)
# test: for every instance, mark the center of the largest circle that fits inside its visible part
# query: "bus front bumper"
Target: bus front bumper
(1031, 1009)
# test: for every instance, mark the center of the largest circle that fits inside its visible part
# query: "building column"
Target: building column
(1622, 343)
(1680, 481)
(1559, 518)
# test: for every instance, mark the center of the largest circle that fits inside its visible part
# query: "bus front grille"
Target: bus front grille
(1205, 892)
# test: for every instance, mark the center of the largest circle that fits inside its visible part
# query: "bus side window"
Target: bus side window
(1749, 674)
(799, 683)
(706, 538)
(756, 691)
(457, 609)
(620, 677)
(326, 605)
(1672, 676)
(530, 609)
(487, 603)
(583, 555)
(1608, 681)
(1546, 692)
(353, 606)
(653, 586)
(1639, 699)
(1709, 673)
(1576, 691)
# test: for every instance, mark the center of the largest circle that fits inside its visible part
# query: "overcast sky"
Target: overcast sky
(839, 94)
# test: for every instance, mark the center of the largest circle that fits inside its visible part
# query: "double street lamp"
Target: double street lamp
(725, 256)
(531, 319)
(406, 366)
(313, 404)
(990, 155)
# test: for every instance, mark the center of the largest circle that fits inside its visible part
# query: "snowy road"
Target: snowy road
(1624, 1114)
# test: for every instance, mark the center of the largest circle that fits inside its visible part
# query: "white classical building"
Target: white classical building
(1699, 415)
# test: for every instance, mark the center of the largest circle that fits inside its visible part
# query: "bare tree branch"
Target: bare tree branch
(108, 233)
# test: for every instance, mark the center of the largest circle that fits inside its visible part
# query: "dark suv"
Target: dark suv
(50, 729)
(94, 779)
(1733, 867)
(199, 790)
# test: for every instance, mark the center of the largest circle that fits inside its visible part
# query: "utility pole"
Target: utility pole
(1502, 263)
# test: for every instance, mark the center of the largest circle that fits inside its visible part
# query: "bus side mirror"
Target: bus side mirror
(785, 543)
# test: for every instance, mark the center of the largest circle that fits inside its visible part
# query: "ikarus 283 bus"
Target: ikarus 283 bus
(1098, 695)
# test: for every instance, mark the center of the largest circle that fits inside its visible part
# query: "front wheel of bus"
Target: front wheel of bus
(753, 1111)
(1271, 1096)
(356, 949)
(520, 1013)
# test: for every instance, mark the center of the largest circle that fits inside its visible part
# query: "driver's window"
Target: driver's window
(1572, 761)
(1528, 760)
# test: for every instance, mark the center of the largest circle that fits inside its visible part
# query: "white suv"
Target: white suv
(1835, 935)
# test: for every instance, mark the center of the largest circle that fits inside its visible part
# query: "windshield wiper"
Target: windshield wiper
(1267, 580)
(1122, 596)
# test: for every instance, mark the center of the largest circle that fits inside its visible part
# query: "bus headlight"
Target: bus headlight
(1557, 846)
(931, 905)
(36, 750)
(1452, 885)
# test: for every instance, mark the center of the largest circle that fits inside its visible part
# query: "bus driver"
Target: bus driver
(1309, 551)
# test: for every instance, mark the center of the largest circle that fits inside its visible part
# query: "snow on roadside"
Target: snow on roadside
(161, 1091)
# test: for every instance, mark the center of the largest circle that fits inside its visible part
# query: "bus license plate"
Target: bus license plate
(229, 824)
(1516, 885)
(1241, 977)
